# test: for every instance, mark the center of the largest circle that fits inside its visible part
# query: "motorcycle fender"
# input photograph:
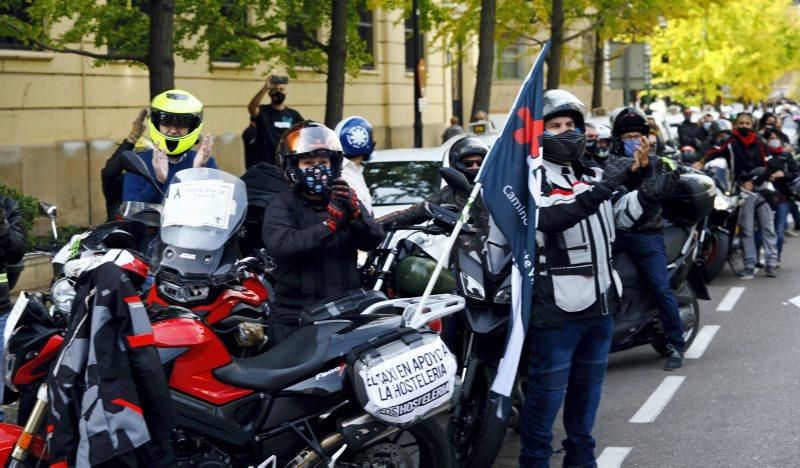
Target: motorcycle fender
(697, 283)
(9, 435)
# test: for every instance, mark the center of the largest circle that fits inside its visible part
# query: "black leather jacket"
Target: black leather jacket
(12, 248)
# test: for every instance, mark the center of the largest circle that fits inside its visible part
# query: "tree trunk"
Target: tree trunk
(598, 77)
(556, 44)
(483, 81)
(160, 61)
(337, 55)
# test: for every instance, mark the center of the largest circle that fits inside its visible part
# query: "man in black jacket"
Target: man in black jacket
(576, 288)
(313, 232)
(644, 240)
(113, 175)
(12, 249)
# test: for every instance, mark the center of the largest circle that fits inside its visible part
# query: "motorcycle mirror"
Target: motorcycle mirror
(46, 209)
(131, 162)
(455, 179)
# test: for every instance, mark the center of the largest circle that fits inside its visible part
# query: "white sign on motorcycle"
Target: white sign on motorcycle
(199, 203)
(409, 385)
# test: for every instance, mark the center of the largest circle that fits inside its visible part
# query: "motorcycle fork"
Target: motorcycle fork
(21, 448)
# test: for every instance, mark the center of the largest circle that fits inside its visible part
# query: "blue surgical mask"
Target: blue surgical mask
(631, 144)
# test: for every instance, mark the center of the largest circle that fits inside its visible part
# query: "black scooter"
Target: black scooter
(637, 321)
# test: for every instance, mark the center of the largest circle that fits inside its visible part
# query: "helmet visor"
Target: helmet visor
(167, 119)
(313, 139)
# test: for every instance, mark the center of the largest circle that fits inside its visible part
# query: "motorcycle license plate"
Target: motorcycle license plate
(408, 383)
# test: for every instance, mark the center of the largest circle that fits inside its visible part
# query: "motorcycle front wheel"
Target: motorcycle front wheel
(477, 435)
(715, 255)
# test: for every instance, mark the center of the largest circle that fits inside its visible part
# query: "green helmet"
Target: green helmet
(413, 273)
(175, 107)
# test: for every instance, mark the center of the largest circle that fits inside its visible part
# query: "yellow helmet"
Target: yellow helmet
(178, 108)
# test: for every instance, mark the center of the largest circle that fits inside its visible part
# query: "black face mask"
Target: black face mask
(564, 147)
(744, 131)
(277, 97)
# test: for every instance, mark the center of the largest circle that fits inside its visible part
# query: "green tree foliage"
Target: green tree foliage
(726, 50)
(292, 33)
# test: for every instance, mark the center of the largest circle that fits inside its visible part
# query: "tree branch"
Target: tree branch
(69, 50)
(579, 33)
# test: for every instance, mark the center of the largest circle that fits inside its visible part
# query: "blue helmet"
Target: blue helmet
(355, 134)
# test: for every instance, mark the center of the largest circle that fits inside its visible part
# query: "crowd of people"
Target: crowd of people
(315, 213)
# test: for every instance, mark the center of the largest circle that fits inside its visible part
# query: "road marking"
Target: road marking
(701, 342)
(658, 400)
(612, 457)
(795, 300)
(730, 299)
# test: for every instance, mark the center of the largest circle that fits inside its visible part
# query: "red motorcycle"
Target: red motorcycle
(313, 399)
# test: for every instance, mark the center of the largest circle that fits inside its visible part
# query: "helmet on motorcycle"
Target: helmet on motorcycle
(130, 261)
(630, 119)
(356, 137)
(463, 148)
(721, 125)
(179, 109)
(569, 145)
(308, 138)
(603, 141)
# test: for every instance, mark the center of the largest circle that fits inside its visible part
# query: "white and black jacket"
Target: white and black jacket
(578, 215)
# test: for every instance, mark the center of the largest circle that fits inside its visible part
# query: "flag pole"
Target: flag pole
(451, 240)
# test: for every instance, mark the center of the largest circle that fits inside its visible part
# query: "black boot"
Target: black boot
(674, 359)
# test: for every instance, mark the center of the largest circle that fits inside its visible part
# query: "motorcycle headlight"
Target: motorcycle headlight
(472, 287)
(503, 296)
(184, 293)
(721, 202)
(62, 293)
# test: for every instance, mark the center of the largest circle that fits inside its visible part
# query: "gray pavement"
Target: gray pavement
(738, 404)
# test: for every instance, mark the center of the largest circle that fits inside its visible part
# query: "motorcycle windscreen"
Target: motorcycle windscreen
(203, 209)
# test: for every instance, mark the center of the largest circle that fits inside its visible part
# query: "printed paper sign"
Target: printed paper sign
(408, 386)
(199, 203)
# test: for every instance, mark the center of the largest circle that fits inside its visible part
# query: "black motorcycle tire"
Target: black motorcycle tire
(660, 343)
(718, 251)
(429, 437)
(488, 441)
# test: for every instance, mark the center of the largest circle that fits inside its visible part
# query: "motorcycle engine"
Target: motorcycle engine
(195, 452)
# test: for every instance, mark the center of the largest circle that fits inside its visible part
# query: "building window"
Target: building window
(295, 37)
(511, 63)
(117, 43)
(16, 10)
(236, 15)
(410, 65)
(366, 28)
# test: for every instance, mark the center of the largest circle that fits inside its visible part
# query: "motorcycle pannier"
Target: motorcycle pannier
(692, 200)
(402, 377)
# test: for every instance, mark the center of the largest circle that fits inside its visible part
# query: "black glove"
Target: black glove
(614, 176)
(4, 226)
(659, 186)
(345, 199)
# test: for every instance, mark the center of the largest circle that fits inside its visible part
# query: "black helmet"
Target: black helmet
(630, 119)
(467, 146)
(307, 137)
(721, 125)
(570, 145)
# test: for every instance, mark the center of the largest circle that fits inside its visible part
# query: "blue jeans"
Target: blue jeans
(648, 253)
(571, 358)
(781, 214)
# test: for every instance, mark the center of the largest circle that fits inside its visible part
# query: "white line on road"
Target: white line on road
(612, 457)
(795, 300)
(730, 299)
(658, 400)
(701, 342)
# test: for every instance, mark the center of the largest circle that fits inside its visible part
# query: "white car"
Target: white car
(399, 178)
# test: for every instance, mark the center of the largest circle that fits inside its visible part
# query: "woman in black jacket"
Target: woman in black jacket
(314, 232)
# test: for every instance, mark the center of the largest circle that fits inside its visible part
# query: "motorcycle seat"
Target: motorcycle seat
(297, 356)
